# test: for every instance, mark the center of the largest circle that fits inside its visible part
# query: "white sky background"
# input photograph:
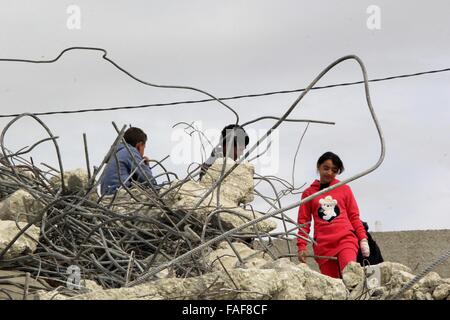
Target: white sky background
(239, 47)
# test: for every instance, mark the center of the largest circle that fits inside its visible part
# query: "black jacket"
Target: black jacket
(375, 252)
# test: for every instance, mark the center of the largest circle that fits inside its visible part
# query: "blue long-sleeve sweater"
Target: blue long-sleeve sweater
(110, 179)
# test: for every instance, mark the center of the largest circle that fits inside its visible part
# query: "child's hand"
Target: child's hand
(302, 256)
(146, 160)
(365, 250)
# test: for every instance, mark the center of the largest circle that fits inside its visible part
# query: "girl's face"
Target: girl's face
(327, 171)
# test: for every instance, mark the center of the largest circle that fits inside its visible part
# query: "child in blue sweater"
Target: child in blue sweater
(132, 164)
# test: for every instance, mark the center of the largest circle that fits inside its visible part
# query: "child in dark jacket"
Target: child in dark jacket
(233, 141)
(132, 164)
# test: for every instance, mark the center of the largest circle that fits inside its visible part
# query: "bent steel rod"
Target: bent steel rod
(153, 272)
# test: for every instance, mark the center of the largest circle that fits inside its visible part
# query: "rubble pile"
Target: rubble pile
(116, 240)
(394, 277)
(235, 189)
(59, 239)
(261, 278)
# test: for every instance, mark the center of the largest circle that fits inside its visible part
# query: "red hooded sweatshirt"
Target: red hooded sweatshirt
(337, 224)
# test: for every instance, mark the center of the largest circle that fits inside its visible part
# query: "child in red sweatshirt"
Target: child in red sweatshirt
(338, 230)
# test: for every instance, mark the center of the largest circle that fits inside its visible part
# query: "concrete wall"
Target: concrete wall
(415, 249)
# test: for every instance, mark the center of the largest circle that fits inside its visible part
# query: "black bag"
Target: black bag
(375, 252)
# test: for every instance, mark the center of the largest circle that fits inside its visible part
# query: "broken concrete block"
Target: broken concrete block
(398, 281)
(91, 285)
(352, 275)
(256, 284)
(4, 211)
(441, 292)
(23, 245)
(394, 277)
(169, 288)
(86, 286)
(238, 186)
(279, 279)
(400, 278)
(431, 281)
(418, 295)
(389, 268)
(379, 293)
(299, 282)
(236, 284)
(428, 296)
(50, 295)
(233, 220)
(74, 181)
(236, 189)
(285, 264)
(21, 205)
(228, 258)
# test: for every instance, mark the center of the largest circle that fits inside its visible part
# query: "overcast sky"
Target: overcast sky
(238, 47)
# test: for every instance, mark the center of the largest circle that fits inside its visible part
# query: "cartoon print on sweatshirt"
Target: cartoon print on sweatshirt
(328, 208)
